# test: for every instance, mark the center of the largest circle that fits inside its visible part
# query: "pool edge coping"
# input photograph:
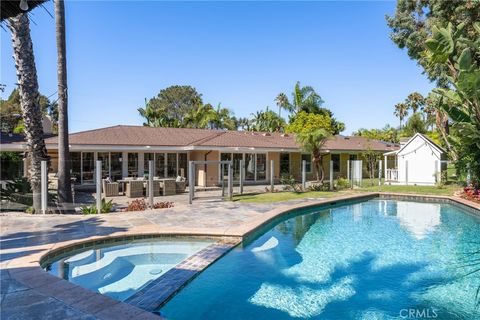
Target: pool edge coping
(28, 269)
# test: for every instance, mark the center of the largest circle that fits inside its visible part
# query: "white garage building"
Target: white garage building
(419, 161)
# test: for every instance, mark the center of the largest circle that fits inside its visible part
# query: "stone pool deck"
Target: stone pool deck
(27, 292)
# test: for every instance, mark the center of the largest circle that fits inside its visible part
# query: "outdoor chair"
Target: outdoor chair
(134, 189)
(180, 186)
(110, 189)
(169, 187)
(156, 188)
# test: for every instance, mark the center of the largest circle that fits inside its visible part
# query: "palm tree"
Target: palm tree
(415, 101)
(303, 99)
(313, 143)
(401, 111)
(64, 182)
(244, 123)
(282, 102)
(29, 99)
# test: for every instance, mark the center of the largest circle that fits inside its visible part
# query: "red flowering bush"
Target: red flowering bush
(163, 204)
(137, 205)
(471, 193)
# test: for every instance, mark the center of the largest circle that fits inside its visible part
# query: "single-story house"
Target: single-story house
(125, 151)
(419, 161)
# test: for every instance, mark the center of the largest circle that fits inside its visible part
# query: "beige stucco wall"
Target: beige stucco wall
(275, 156)
(211, 169)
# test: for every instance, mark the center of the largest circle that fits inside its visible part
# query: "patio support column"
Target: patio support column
(242, 170)
(437, 175)
(385, 166)
(380, 172)
(141, 163)
(124, 164)
(272, 175)
(44, 186)
(150, 184)
(331, 175)
(230, 181)
(98, 180)
(191, 181)
(304, 174)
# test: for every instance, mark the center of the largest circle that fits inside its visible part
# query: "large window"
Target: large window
(249, 166)
(146, 158)
(284, 164)
(182, 165)
(236, 165)
(105, 158)
(76, 158)
(160, 165)
(261, 166)
(133, 164)
(116, 166)
(88, 167)
(308, 160)
(171, 165)
(336, 163)
(225, 157)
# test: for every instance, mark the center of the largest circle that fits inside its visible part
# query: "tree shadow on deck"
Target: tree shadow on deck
(62, 232)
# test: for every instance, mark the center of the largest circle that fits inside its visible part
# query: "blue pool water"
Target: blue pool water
(120, 270)
(377, 259)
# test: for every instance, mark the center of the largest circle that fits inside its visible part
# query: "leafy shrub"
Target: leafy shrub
(342, 183)
(137, 205)
(19, 191)
(290, 183)
(319, 186)
(163, 204)
(92, 209)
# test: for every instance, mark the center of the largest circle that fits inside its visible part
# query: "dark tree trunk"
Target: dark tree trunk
(64, 183)
(29, 100)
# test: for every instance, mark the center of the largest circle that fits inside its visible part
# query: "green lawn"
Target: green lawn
(285, 196)
(445, 190)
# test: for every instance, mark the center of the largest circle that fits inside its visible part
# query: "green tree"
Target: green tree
(267, 121)
(401, 111)
(415, 101)
(201, 117)
(461, 99)
(64, 165)
(170, 106)
(29, 100)
(415, 124)
(11, 112)
(371, 157)
(413, 23)
(306, 122)
(313, 142)
(388, 134)
(224, 119)
(306, 99)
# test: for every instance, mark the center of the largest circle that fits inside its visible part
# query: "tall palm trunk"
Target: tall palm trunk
(29, 100)
(64, 183)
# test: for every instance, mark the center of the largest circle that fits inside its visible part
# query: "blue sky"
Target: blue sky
(241, 54)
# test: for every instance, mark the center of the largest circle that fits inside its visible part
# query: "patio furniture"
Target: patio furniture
(156, 188)
(110, 189)
(134, 189)
(180, 186)
(169, 187)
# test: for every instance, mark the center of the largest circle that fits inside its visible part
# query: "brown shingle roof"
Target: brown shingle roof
(123, 135)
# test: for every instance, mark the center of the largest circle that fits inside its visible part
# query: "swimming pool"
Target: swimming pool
(378, 259)
(119, 270)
